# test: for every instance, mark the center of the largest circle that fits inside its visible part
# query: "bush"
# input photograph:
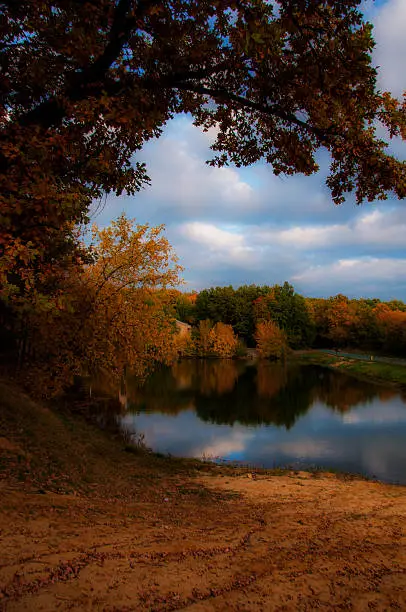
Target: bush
(222, 340)
(271, 341)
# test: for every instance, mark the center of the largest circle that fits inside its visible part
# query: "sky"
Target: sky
(233, 226)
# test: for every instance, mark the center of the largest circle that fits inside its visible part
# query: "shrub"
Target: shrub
(271, 341)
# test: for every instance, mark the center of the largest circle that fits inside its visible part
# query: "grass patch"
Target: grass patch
(370, 370)
(313, 357)
(380, 371)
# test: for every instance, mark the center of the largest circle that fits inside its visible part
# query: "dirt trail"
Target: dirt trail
(285, 543)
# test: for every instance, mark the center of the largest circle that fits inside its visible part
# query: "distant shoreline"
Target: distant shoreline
(378, 372)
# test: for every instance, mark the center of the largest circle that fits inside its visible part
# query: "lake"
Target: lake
(270, 415)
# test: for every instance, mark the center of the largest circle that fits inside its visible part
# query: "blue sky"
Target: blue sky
(241, 226)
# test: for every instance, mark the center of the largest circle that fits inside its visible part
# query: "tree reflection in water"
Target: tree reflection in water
(229, 391)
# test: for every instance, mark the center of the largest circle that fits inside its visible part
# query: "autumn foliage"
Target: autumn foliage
(271, 341)
(336, 322)
(222, 340)
(392, 326)
(202, 337)
(112, 314)
(85, 84)
(218, 340)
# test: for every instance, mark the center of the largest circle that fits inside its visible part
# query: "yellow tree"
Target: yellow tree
(341, 316)
(112, 315)
(202, 342)
(392, 328)
(271, 341)
(222, 340)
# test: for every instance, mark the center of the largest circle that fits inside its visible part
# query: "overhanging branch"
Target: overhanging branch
(51, 112)
(270, 110)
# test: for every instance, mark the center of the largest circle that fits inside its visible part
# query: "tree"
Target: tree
(185, 307)
(364, 331)
(340, 318)
(222, 340)
(201, 337)
(111, 316)
(216, 304)
(392, 325)
(231, 306)
(271, 341)
(289, 311)
(86, 84)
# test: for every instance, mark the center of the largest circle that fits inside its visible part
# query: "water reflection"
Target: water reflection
(228, 392)
(270, 414)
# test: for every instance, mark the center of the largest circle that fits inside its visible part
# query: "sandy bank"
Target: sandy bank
(284, 543)
(85, 525)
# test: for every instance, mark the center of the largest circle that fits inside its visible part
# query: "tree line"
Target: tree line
(278, 314)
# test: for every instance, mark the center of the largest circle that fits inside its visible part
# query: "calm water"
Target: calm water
(270, 415)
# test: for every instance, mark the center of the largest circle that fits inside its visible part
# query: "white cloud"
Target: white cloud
(390, 52)
(218, 244)
(179, 175)
(374, 228)
(355, 276)
(212, 236)
(314, 237)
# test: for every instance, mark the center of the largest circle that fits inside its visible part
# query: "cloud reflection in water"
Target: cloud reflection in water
(272, 415)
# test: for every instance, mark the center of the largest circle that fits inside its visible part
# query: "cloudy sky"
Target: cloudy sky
(241, 226)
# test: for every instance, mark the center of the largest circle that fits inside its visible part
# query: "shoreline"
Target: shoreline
(85, 524)
(371, 371)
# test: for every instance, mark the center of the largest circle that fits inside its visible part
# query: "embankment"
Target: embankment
(379, 372)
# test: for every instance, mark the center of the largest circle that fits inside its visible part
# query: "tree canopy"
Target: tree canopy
(335, 322)
(85, 84)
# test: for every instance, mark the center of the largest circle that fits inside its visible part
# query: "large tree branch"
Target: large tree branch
(222, 95)
(51, 112)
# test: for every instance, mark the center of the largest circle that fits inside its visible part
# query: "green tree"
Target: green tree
(289, 311)
(231, 306)
(185, 309)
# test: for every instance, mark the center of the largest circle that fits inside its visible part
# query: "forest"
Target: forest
(276, 315)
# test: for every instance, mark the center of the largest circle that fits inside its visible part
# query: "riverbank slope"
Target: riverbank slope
(376, 371)
(87, 523)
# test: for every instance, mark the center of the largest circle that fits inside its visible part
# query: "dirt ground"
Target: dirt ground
(137, 533)
(285, 543)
